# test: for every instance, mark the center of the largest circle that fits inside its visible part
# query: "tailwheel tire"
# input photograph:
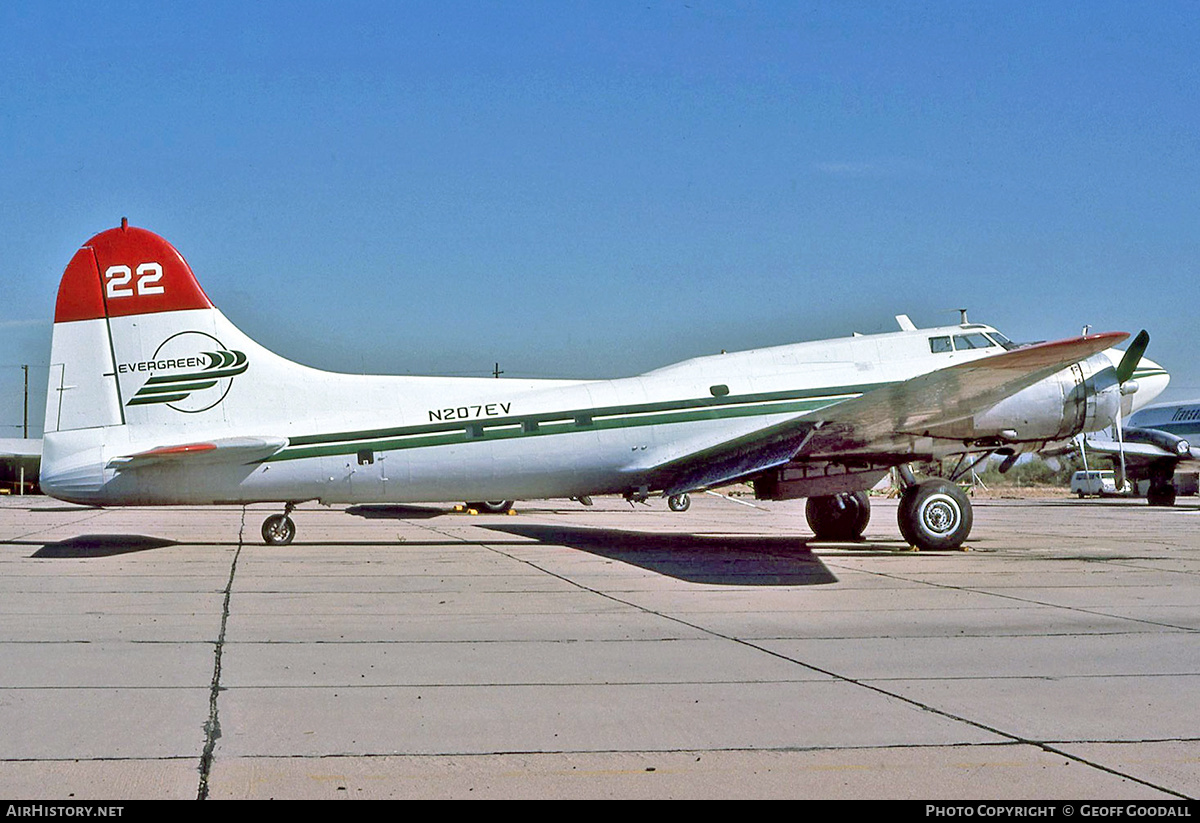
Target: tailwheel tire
(935, 516)
(278, 530)
(679, 502)
(491, 506)
(838, 517)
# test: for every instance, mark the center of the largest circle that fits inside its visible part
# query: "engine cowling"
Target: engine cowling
(1170, 443)
(1083, 397)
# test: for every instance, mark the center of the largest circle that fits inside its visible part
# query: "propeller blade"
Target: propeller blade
(1133, 356)
(1120, 448)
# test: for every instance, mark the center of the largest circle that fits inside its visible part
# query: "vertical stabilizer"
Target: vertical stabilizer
(116, 278)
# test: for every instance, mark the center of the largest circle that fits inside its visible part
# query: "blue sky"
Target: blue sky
(595, 189)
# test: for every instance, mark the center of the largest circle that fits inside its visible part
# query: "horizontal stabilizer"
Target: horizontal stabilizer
(230, 450)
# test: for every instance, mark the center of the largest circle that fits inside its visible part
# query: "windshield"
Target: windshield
(1003, 341)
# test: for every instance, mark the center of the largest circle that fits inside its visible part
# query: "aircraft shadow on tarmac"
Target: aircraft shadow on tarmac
(100, 545)
(732, 560)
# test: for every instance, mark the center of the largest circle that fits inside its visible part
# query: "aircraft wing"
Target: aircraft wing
(11, 447)
(939, 398)
(1143, 454)
(870, 424)
(230, 450)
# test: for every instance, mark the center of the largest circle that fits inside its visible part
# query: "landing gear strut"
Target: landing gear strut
(839, 517)
(278, 529)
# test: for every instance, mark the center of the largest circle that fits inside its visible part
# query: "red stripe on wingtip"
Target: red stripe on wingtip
(1049, 354)
(127, 271)
(175, 451)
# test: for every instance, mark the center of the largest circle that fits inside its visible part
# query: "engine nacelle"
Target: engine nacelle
(1170, 443)
(1084, 397)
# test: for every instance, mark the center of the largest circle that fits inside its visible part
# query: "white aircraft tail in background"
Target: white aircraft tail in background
(155, 398)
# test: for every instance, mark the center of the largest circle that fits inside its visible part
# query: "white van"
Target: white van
(1093, 482)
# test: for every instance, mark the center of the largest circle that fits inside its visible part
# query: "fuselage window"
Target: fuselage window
(971, 341)
(937, 345)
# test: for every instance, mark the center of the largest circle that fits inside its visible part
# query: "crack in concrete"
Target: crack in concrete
(212, 726)
(1013, 737)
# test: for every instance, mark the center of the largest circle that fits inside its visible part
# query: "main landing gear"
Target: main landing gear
(278, 529)
(1162, 485)
(491, 506)
(840, 517)
(934, 515)
(1161, 494)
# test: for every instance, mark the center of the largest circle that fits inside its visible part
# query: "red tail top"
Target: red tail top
(126, 271)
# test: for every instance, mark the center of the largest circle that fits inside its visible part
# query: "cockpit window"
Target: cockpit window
(937, 345)
(1003, 341)
(971, 341)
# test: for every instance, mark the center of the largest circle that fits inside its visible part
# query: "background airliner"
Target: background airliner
(1154, 444)
(156, 398)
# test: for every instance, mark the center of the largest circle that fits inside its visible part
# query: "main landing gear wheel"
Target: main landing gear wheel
(491, 506)
(838, 517)
(278, 530)
(1161, 494)
(679, 502)
(935, 515)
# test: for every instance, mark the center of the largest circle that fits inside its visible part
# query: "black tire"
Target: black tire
(491, 506)
(278, 530)
(1161, 495)
(935, 516)
(838, 517)
(679, 502)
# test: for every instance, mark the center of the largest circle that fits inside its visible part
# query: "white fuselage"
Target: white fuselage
(352, 438)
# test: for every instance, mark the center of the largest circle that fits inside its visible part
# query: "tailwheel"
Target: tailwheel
(278, 529)
(838, 517)
(935, 515)
(679, 502)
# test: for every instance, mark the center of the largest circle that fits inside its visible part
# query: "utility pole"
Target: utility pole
(496, 371)
(24, 429)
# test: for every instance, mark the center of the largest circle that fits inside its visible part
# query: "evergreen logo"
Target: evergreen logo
(190, 372)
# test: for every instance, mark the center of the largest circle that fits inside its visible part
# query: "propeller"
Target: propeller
(1133, 356)
(1125, 369)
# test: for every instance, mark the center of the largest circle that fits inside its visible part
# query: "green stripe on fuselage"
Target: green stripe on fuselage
(547, 423)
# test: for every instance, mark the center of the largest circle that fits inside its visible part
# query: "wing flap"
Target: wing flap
(230, 450)
(727, 462)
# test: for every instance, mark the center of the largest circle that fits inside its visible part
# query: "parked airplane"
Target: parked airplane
(156, 398)
(1152, 445)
